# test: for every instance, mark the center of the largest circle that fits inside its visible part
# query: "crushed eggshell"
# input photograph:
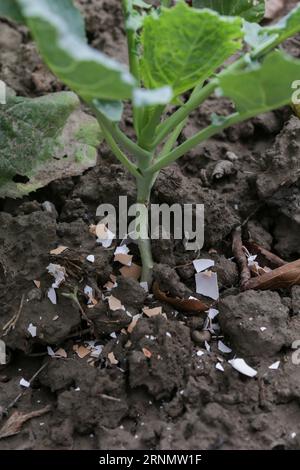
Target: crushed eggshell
(50, 351)
(90, 258)
(200, 353)
(132, 325)
(202, 264)
(207, 346)
(52, 295)
(59, 250)
(152, 312)
(88, 290)
(275, 365)
(223, 348)
(207, 284)
(96, 351)
(112, 358)
(212, 313)
(24, 383)
(241, 366)
(81, 351)
(61, 353)
(147, 353)
(115, 304)
(37, 284)
(145, 286)
(122, 250)
(219, 367)
(58, 272)
(124, 259)
(32, 330)
(105, 236)
(263, 328)
(134, 271)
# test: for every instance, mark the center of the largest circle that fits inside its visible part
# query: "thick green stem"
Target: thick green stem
(144, 186)
(133, 169)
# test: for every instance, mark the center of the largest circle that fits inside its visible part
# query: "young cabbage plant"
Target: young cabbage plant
(176, 61)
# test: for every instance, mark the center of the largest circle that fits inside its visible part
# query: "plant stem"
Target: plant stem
(133, 169)
(195, 100)
(204, 134)
(121, 138)
(144, 186)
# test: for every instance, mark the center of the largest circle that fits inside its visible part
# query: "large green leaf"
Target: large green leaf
(184, 46)
(263, 86)
(251, 10)
(58, 29)
(43, 139)
(286, 27)
(10, 9)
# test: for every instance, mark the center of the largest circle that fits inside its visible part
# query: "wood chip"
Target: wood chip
(134, 271)
(59, 250)
(112, 358)
(15, 422)
(280, 278)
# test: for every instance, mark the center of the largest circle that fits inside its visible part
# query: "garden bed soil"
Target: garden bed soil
(174, 397)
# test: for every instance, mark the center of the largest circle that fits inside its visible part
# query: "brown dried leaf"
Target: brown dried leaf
(14, 424)
(186, 305)
(280, 278)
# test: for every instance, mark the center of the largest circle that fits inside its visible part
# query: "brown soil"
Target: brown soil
(174, 399)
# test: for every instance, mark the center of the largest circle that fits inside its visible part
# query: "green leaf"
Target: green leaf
(58, 29)
(251, 10)
(279, 32)
(184, 46)
(263, 86)
(158, 96)
(44, 139)
(11, 10)
(113, 110)
(141, 4)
